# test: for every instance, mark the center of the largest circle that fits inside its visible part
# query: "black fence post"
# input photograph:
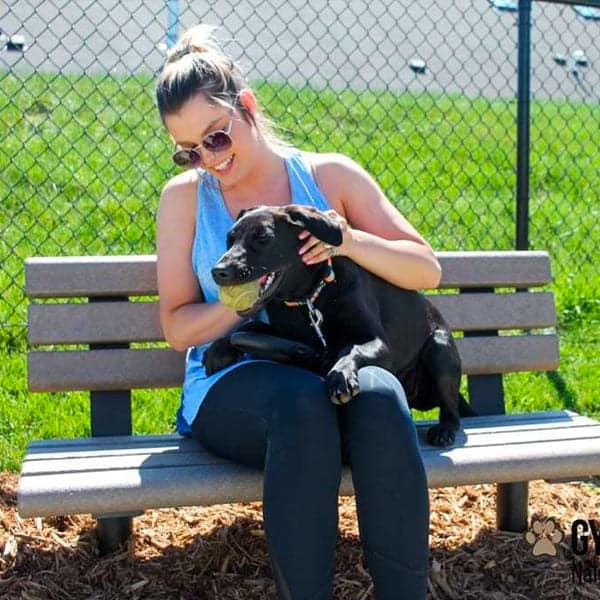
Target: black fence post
(523, 123)
(512, 498)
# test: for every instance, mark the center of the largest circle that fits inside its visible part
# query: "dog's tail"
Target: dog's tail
(464, 408)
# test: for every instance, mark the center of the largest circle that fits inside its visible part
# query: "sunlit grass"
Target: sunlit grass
(84, 158)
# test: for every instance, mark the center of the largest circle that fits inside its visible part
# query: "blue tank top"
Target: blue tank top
(213, 221)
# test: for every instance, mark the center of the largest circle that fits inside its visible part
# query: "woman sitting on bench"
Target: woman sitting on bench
(272, 416)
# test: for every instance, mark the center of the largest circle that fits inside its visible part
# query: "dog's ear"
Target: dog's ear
(244, 211)
(318, 223)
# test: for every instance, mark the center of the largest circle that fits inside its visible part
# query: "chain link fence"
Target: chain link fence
(421, 94)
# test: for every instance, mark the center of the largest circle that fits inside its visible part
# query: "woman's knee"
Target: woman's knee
(301, 404)
(382, 396)
(378, 431)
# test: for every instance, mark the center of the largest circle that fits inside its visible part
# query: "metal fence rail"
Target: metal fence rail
(400, 86)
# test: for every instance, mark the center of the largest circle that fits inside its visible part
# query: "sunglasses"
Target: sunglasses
(216, 141)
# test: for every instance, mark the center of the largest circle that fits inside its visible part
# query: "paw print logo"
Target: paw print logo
(544, 537)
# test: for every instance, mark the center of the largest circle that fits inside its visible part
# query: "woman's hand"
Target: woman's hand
(315, 250)
(381, 239)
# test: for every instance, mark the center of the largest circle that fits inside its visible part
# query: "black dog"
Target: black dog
(357, 319)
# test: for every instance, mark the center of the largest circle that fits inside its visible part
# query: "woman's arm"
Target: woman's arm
(379, 238)
(185, 318)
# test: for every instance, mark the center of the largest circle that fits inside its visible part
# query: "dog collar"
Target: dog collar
(329, 277)
(314, 314)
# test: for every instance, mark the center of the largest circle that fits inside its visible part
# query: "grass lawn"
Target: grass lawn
(84, 159)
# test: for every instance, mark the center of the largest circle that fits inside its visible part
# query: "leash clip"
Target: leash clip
(316, 319)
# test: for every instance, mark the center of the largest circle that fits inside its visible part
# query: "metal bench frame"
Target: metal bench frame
(115, 475)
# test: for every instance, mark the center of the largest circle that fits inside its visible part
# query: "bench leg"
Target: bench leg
(112, 533)
(511, 506)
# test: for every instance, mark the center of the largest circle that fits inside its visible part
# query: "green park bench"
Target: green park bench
(492, 300)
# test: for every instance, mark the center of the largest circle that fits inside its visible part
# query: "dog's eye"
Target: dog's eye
(261, 236)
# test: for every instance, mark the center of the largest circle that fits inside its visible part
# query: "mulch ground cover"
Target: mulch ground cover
(219, 552)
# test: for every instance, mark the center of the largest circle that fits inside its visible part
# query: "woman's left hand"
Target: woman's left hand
(315, 250)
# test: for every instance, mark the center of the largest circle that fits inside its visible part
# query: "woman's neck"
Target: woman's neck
(265, 182)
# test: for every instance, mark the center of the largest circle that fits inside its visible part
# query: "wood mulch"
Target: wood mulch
(219, 552)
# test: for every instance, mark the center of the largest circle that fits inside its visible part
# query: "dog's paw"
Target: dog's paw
(442, 434)
(220, 354)
(341, 385)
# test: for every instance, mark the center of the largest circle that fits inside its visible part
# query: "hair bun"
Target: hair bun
(198, 39)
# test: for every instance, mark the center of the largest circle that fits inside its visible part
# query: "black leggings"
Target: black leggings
(278, 418)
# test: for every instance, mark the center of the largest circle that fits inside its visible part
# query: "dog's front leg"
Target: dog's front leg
(341, 382)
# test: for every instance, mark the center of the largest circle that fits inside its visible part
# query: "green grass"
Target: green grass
(84, 158)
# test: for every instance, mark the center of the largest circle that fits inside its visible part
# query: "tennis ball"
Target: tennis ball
(240, 297)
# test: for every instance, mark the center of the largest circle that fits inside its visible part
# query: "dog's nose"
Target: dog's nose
(222, 274)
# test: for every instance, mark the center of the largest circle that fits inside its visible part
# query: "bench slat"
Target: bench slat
(510, 422)
(107, 370)
(477, 312)
(125, 459)
(106, 322)
(122, 369)
(508, 354)
(171, 479)
(96, 323)
(78, 276)
(133, 457)
(89, 447)
(43, 449)
(49, 455)
(55, 277)
(495, 269)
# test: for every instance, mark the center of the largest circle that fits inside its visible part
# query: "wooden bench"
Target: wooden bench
(114, 474)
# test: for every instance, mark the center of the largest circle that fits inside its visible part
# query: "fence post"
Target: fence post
(173, 26)
(523, 123)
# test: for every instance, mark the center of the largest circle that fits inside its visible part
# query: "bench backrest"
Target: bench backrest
(109, 305)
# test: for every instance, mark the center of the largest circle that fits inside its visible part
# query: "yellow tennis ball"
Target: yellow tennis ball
(240, 297)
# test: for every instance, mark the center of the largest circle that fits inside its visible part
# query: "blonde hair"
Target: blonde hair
(197, 65)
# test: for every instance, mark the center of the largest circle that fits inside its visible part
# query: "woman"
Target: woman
(268, 415)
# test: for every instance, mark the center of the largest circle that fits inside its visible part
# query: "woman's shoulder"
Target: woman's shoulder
(179, 195)
(328, 160)
(184, 182)
(331, 171)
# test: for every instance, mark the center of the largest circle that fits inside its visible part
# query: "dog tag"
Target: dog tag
(316, 318)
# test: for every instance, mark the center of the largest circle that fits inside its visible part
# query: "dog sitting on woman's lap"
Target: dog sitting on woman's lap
(349, 317)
